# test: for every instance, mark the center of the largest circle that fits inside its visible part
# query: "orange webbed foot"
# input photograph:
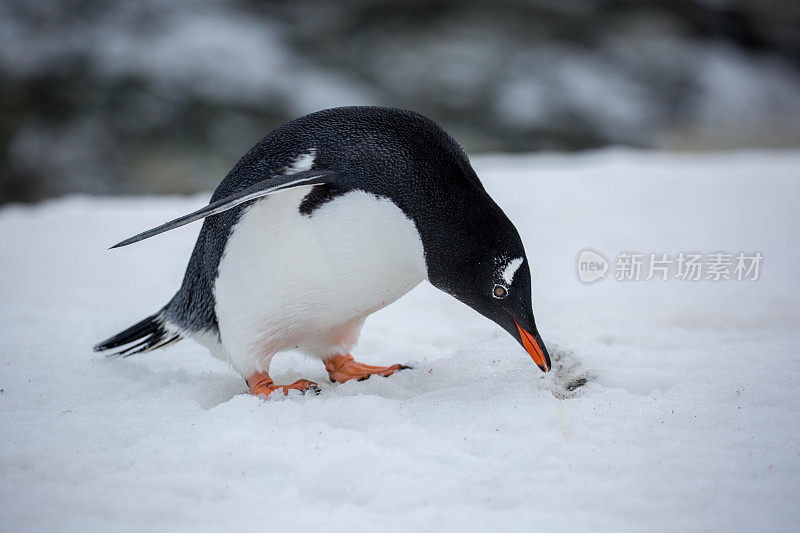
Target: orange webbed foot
(343, 368)
(261, 383)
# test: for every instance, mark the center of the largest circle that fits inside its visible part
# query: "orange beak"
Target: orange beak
(533, 348)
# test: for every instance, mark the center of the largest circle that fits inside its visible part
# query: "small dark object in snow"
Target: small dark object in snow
(575, 384)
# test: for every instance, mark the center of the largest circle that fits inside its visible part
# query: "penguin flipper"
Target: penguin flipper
(270, 185)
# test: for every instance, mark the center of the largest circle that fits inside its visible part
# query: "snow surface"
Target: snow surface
(688, 418)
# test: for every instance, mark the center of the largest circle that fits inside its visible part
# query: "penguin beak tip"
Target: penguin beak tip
(533, 348)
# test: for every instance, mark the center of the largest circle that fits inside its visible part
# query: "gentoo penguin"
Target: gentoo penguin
(326, 220)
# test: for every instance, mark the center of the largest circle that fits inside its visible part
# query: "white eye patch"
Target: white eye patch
(510, 269)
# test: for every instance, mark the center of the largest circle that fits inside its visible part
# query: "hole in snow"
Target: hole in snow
(568, 375)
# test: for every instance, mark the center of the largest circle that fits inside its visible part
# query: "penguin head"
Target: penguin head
(485, 267)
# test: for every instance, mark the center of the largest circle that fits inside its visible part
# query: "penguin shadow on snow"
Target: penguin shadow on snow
(210, 389)
(468, 367)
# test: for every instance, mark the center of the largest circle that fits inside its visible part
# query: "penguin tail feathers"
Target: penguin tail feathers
(149, 334)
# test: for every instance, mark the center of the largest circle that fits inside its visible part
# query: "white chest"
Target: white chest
(287, 280)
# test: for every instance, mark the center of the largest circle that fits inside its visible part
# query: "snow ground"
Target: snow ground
(688, 418)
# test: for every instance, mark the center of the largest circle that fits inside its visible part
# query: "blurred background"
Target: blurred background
(128, 97)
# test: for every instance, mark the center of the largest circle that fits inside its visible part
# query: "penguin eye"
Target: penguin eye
(499, 292)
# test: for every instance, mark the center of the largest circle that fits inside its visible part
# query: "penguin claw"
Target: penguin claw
(261, 385)
(303, 385)
(342, 368)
